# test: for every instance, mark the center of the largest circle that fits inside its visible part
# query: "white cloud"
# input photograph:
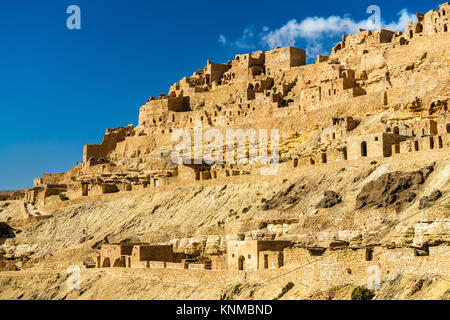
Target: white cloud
(247, 40)
(402, 23)
(222, 39)
(314, 48)
(313, 30)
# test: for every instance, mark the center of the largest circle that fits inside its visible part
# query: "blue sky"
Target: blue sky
(61, 88)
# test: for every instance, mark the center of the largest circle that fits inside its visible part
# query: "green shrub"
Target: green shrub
(285, 290)
(37, 213)
(237, 288)
(362, 293)
(63, 197)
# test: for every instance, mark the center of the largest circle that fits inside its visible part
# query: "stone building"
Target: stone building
(372, 145)
(134, 255)
(282, 59)
(255, 254)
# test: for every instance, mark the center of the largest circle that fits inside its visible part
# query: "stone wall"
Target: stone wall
(152, 253)
(311, 273)
(101, 151)
(282, 59)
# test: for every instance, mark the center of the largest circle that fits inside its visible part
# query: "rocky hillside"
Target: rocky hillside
(377, 203)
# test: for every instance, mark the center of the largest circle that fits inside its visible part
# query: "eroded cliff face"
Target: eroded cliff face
(247, 209)
(188, 218)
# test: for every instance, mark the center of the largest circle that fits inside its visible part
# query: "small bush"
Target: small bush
(37, 213)
(9, 218)
(245, 210)
(63, 197)
(285, 290)
(362, 293)
(237, 288)
(373, 162)
(33, 203)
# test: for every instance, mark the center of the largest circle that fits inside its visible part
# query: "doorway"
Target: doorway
(364, 149)
(241, 263)
(266, 261)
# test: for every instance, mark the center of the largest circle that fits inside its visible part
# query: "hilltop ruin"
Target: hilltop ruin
(365, 73)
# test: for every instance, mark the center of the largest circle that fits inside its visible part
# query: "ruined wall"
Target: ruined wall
(156, 110)
(113, 255)
(367, 265)
(101, 151)
(434, 21)
(152, 253)
(49, 178)
(282, 59)
(332, 268)
(362, 42)
(143, 254)
(215, 71)
(270, 259)
(133, 147)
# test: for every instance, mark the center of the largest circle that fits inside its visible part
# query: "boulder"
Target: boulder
(329, 200)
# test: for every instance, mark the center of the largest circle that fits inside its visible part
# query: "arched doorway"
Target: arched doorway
(363, 149)
(92, 162)
(106, 263)
(118, 263)
(241, 263)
